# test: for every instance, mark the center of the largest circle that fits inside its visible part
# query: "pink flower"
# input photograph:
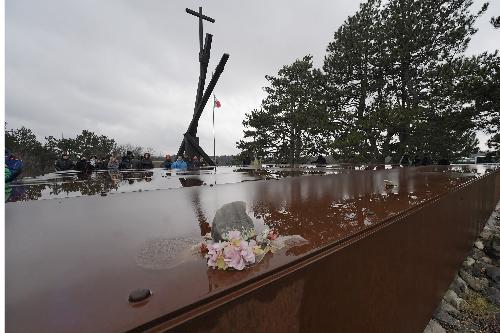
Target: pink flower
(233, 257)
(272, 235)
(233, 235)
(247, 252)
(214, 252)
(237, 253)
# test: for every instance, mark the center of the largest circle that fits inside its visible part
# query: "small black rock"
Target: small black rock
(493, 273)
(477, 269)
(139, 295)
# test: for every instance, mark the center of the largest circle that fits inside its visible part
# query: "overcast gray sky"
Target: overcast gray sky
(128, 69)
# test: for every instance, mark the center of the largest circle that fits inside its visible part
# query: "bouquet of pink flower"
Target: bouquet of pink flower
(238, 251)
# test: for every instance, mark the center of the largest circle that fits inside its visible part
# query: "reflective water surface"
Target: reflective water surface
(74, 184)
(71, 263)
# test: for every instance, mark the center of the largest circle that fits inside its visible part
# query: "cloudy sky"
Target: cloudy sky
(128, 69)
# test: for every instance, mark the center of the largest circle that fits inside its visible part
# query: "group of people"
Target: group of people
(183, 163)
(128, 161)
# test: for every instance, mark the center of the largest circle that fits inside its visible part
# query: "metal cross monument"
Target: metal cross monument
(190, 143)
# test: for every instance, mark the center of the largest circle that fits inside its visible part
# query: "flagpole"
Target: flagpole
(213, 131)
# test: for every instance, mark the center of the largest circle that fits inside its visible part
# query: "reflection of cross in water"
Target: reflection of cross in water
(202, 219)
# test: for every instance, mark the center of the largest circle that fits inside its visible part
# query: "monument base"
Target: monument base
(376, 258)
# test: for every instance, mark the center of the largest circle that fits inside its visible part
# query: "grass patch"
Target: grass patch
(479, 306)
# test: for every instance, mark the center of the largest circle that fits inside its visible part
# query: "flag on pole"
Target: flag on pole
(216, 105)
(217, 102)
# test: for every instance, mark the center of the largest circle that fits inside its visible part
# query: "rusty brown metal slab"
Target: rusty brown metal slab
(375, 256)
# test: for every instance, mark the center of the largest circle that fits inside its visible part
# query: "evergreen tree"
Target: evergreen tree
(90, 144)
(495, 22)
(24, 144)
(424, 38)
(355, 68)
(84, 144)
(396, 81)
(479, 86)
(390, 74)
(292, 119)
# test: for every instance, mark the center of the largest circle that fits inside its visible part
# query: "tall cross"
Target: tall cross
(201, 17)
(190, 144)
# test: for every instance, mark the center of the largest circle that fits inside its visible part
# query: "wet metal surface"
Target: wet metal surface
(61, 253)
(75, 184)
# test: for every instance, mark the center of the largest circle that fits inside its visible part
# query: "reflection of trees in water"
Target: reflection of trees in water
(325, 209)
(84, 184)
(328, 217)
(15, 193)
(31, 192)
(279, 174)
(20, 192)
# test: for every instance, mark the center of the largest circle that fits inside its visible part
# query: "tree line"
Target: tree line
(39, 158)
(395, 80)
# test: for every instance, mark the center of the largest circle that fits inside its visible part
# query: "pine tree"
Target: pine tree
(390, 75)
(425, 37)
(355, 67)
(479, 87)
(291, 121)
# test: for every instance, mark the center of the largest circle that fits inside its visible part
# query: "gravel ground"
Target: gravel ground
(472, 304)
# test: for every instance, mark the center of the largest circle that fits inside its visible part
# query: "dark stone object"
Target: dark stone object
(493, 247)
(446, 319)
(139, 295)
(231, 216)
(477, 269)
(477, 284)
(448, 308)
(493, 295)
(493, 273)
(458, 285)
(477, 254)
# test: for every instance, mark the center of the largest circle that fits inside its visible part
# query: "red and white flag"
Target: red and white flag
(217, 102)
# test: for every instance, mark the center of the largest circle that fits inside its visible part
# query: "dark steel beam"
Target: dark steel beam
(204, 17)
(192, 129)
